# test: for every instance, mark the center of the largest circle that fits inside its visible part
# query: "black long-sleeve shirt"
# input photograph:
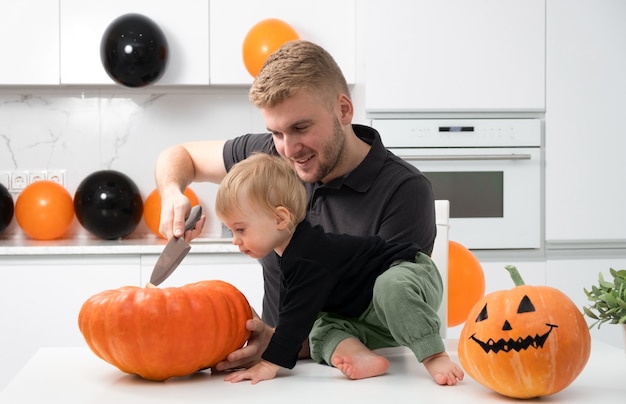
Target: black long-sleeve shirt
(324, 272)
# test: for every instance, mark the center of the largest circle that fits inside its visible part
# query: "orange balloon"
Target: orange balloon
(152, 209)
(44, 210)
(262, 40)
(466, 282)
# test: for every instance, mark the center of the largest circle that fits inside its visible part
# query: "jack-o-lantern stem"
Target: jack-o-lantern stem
(517, 278)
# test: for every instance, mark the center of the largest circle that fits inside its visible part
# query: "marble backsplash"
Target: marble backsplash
(83, 131)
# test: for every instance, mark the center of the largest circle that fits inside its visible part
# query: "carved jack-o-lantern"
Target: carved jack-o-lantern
(530, 341)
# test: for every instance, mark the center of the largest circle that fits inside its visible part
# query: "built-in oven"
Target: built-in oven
(489, 169)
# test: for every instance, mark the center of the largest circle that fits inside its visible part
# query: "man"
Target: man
(354, 185)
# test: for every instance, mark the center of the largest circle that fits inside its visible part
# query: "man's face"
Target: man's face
(308, 135)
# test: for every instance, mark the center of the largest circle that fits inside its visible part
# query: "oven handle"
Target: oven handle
(456, 157)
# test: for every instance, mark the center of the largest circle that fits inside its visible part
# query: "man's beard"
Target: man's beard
(333, 152)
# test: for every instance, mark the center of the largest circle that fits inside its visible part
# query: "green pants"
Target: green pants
(403, 312)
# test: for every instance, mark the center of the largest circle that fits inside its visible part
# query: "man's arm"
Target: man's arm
(409, 215)
(176, 168)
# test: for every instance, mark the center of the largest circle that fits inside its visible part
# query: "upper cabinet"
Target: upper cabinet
(184, 24)
(455, 55)
(29, 39)
(329, 23)
(417, 55)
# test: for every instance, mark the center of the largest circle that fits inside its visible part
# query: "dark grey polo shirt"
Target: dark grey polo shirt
(383, 196)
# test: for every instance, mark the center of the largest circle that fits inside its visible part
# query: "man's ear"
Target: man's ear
(283, 217)
(346, 109)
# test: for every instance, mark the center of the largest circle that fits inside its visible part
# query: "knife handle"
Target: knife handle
(193, 218)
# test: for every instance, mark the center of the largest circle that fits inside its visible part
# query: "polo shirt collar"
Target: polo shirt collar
(361, 178)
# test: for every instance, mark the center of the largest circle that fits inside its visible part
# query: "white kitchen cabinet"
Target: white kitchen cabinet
(29, 38)
(585, 142)
(455, 55)
(328, 23)
(41, 297)
(184, 24)
(237, 269)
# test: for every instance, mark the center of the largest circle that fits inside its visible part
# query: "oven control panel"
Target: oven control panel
(442, 133)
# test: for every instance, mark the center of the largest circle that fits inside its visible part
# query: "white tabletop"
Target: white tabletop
(76, 375)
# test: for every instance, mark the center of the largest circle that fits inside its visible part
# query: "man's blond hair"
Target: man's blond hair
(295, 66)
(266, 182)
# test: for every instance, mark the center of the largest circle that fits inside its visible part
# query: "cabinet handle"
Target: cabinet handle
(457, 157)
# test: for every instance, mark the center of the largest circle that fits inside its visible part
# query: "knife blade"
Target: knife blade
(175, 250)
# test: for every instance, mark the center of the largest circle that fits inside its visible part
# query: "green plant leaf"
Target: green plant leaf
(590, 313)
(609, 299)
(613, 310)
(605, 284)
(621, 274)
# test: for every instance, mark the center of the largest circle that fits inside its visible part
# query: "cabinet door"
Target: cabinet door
(41, 297)
(329, 23)
(585, 142)
(455, 55)
(29, 38)
(237, 269)
(184, 23)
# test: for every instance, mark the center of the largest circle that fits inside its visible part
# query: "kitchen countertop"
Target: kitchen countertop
(89, 246)
(76, 375)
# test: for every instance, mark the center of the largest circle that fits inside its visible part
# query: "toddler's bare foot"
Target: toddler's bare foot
(361, 366)
(356, 361)
(442, 369)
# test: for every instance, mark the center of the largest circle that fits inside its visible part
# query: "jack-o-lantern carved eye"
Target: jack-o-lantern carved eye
(483, 315)
(525, 306)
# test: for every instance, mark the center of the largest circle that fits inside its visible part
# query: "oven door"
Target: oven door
(494, 193)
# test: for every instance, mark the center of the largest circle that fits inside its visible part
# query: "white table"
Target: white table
(76, 375)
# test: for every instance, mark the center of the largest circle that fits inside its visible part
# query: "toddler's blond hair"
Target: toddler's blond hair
(266, 182)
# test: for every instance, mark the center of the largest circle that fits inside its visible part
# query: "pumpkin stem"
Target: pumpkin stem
(517, 278)
(150, 285)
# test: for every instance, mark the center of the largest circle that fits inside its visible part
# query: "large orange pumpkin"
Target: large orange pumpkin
(530, 341)
(161, 333)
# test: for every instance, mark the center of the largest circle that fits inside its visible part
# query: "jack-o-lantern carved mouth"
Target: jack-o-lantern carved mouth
(516, 345)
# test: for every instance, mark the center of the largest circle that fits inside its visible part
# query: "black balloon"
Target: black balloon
(108, 204)
(7, 208)
(134, 50)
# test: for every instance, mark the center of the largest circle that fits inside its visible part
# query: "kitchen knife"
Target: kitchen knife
(175, 250)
